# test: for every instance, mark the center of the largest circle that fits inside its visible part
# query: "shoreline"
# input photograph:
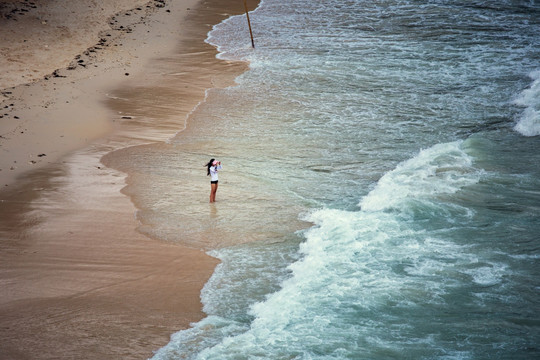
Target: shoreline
(78, 280)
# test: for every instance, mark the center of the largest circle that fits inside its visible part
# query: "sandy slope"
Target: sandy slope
(76, 278)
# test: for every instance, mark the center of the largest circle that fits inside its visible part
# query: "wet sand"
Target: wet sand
(77, 279)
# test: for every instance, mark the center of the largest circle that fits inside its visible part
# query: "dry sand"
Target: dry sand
(77, 280)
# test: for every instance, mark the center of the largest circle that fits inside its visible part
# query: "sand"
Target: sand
(77, 280)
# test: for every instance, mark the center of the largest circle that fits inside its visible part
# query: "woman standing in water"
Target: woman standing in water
(213, 167)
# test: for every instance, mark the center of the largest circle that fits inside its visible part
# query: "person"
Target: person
(213, 167)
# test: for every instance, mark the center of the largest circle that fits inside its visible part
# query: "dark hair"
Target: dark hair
(209, 165)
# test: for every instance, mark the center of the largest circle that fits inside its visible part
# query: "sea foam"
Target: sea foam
(359, 263)
(529, 122)
(441, 169)
(412, 251)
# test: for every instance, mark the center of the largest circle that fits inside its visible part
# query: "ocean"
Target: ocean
(380, 191)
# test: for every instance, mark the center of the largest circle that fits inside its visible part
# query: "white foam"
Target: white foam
(529, 122)
(441, 169)
(349, 261)
(231, 37)
(374, 266)
(488, 275)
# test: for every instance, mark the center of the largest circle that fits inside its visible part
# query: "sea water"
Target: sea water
(380, 196)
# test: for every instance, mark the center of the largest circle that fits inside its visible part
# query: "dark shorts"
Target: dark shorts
(213, 182)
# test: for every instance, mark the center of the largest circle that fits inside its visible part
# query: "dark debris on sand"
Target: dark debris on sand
(120, 23)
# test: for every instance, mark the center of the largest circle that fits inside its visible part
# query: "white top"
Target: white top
(214, 171)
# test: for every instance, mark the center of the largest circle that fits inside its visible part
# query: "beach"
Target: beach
(378, 197)
(78, 279)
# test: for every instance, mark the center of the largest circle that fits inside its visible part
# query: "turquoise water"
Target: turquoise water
(380, 196)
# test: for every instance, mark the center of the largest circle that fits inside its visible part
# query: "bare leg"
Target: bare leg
(213, 190)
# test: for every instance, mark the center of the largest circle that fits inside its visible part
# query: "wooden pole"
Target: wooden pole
(249, 25)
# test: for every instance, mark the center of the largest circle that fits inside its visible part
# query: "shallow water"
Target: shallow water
(381, 184)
